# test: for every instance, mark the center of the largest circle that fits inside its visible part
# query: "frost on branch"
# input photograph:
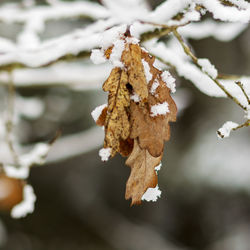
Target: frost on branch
(137, 118)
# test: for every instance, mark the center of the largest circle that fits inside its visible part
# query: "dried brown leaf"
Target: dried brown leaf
(152, 131)
(131, 58)
(143, 175)
(117, 124)
(101, 119)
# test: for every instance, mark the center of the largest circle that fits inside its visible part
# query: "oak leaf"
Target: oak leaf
(152, 131)
(116, 124)
(143, 175)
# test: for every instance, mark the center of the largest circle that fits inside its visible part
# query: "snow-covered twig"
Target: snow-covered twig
(208, 73)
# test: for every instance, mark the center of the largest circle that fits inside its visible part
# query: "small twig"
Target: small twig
(245, 124)
(188, 51)
(243, 90)
(9, 121)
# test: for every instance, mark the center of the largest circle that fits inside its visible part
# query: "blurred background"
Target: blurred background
(205, 182)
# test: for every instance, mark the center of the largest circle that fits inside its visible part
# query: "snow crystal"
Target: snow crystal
(152, 194)
(104, 153)
(169, 80)
(115, 57)
(97, 111)
(207, 67)
(155, 85)
(21, 172)
(158, 167)
(97, 56)
(159, 109)
(147, 70)
(135, 97)
(225, 130)
(27, 205)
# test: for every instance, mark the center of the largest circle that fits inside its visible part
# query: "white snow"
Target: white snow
(134, 97)
(210, 28)
(21, 172)
(225, 13)
(27, 205)
(154, 86)
(158, 167)
(97, 111)
(225, 130)
(167, 10)
(104, 153)
(110, 36)
(152, 194)
(169, 80)
(36, 156)
(207, 67)
(132, 40)
(159, 109)
(115, 57)
(147, 72)
(97, 56)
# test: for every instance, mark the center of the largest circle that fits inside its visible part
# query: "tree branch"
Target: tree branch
(188, 51)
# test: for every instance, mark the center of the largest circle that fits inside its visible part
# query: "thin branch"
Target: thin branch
(245, 124)
(188, 51)
(9, 121)
(243, 90)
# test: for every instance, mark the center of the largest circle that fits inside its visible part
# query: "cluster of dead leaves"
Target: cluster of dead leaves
(130, 128)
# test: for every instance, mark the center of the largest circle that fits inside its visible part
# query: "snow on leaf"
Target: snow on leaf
(147, 71)
(105, 153)
(159, 109)
(96, 113)
(169, 80)
(152, 194)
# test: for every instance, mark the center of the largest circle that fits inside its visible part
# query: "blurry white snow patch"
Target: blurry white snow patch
(104, 153)
(159, 109)
(27, 205)
(147, 70)
(169, 80)
(207, 67)
(29, 107)
(152, 194)
(36, 156)
(226, 129)
(98, 111)
(97, 56)
(21, 172)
